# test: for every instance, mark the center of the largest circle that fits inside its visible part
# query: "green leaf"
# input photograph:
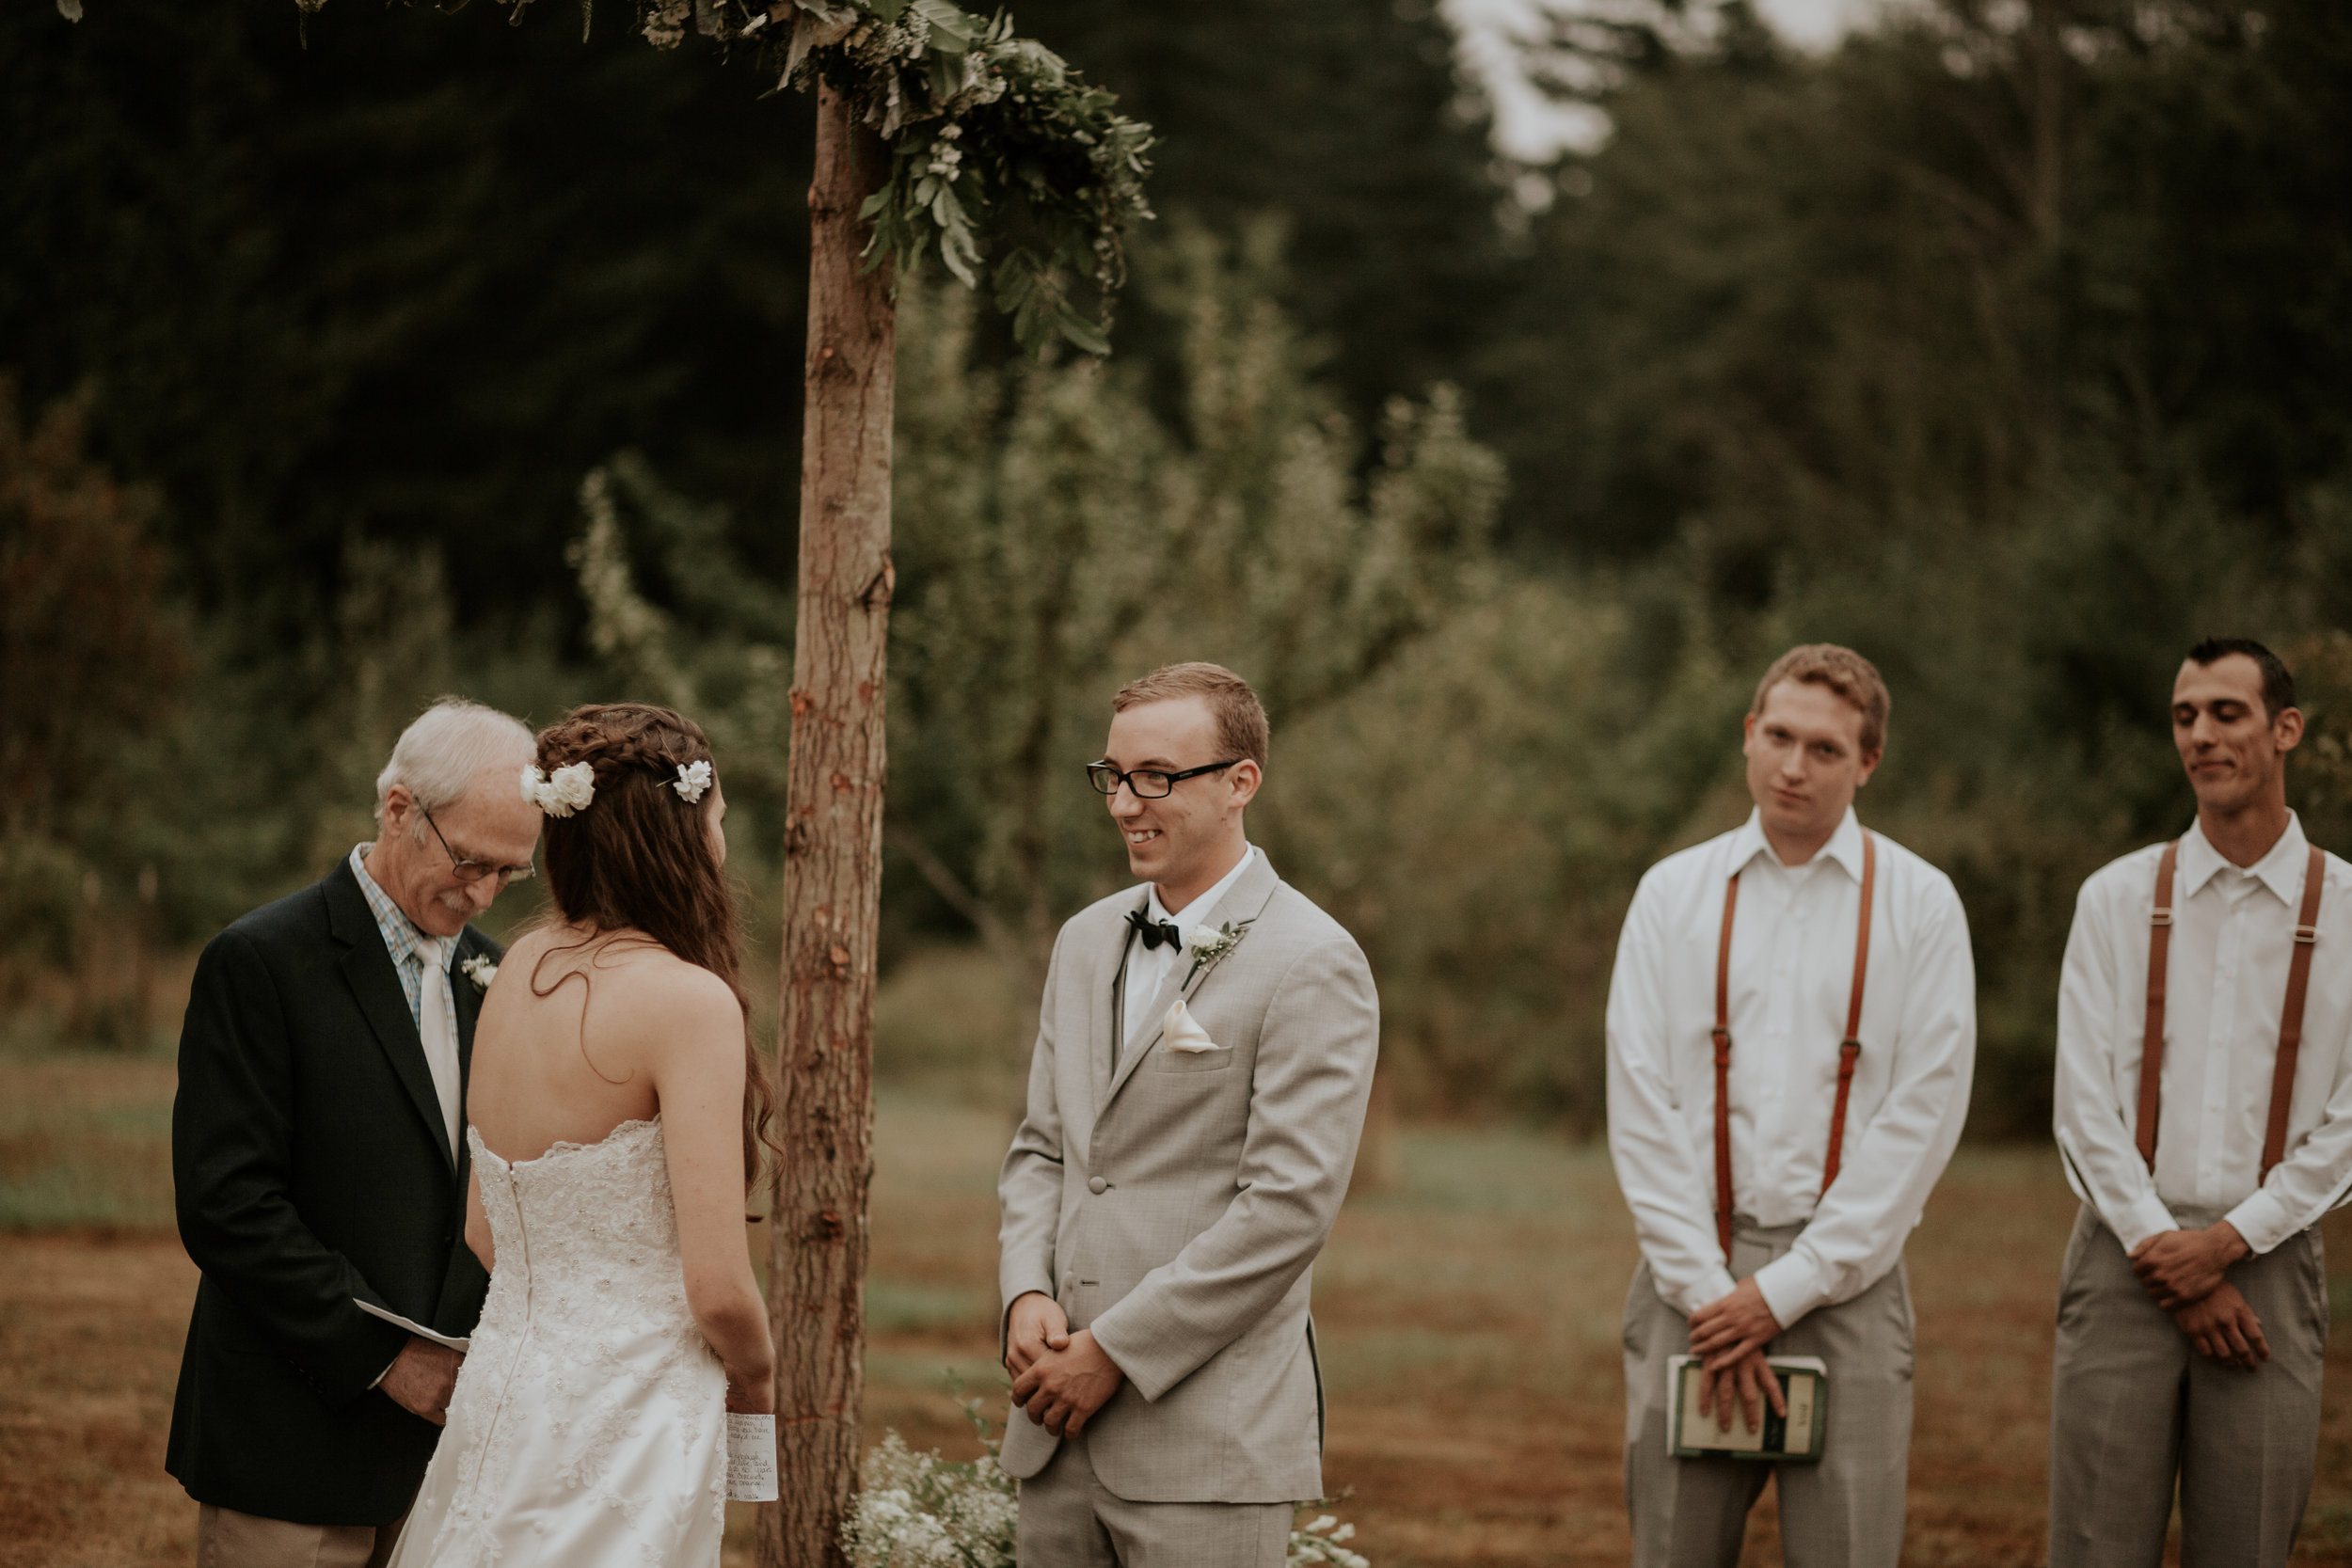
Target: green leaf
(1081, 331)
(948, 23)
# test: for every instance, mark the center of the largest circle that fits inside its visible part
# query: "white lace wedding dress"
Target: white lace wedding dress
(588, 1429)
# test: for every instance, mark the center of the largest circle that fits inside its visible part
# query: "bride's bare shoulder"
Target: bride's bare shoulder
(528, 949)
(645, 987)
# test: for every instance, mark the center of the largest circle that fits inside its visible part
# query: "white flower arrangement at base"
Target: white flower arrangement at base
(1317, 1543)
(919, 1511)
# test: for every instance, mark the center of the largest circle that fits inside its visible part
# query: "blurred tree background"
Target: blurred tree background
(2010, 341)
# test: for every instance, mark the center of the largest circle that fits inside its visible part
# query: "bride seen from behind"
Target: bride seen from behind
(617, 1118)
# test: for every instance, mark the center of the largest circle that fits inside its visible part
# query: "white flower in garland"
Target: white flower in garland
(692, 782)
(569, 790)
(481, 970)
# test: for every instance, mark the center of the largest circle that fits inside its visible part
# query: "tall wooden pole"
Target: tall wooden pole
(832, 864)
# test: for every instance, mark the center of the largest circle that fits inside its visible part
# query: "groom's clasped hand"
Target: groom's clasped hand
(1058, 1378)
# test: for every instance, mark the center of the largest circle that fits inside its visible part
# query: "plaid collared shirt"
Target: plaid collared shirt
(407, 945)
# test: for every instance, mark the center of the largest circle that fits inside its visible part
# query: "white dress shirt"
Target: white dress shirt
(2226, 984)
(1792, 977)
(1147, 970)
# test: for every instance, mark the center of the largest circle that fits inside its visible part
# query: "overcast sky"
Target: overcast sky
(1531, 127)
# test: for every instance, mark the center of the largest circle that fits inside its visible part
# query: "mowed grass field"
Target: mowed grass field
(1469, 1306)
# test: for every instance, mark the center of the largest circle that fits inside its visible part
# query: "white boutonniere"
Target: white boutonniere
(481, 970)
(1209, 947)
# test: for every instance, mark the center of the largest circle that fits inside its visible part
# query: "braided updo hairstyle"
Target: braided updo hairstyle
(639, 859)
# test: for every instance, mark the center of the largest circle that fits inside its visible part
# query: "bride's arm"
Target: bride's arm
(478, 1224)
(698, 1075)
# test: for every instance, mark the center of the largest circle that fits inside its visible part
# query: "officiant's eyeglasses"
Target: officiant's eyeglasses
(468, 869)
(1149, 783)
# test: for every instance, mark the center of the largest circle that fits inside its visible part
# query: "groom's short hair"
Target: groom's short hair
(1241, 724)
(1842, 671)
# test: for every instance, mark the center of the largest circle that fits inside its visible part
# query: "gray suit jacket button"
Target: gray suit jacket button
(1095, 1185)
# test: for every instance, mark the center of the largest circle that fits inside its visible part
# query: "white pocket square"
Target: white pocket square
(1182, 1034)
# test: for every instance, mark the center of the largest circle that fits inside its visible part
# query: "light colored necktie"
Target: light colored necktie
(435, 1027)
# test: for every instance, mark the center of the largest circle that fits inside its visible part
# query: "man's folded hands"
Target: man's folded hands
(2179, 1267)
(1728, 1335)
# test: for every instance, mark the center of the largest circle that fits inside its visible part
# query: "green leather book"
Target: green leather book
(1793, 1439)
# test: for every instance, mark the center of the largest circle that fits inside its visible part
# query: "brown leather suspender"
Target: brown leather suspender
(1849, 1049)
(1723, 1070)
(2152, 1038)
(2290, 1015)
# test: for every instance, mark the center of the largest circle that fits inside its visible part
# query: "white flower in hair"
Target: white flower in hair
(692, 782)
(569, 790)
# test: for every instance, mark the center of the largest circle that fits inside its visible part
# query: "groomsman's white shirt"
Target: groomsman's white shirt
(1146, 970)
(2226, 983)
(1791, 974)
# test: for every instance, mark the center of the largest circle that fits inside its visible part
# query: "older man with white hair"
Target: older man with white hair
(319, 1162)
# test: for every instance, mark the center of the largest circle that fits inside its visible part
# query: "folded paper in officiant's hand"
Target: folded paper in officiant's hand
(751, 1457)
(448, 1341)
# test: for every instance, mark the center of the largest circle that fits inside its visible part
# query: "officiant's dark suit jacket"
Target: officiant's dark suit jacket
(310, 1167)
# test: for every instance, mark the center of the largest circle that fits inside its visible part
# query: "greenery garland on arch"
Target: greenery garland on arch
(1001, 155)
(997, 144)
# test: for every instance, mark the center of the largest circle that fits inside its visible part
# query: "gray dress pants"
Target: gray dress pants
(1844, 1512)
(2136, 1409)
(1070, 1519)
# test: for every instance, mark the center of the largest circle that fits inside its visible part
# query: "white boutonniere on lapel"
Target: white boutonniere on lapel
(1209, 947)
(481, 970)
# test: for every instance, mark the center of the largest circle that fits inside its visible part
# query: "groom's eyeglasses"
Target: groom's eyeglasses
(1149, 783)
(468, 869)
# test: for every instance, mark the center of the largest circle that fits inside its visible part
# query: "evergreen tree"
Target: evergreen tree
(409, 281)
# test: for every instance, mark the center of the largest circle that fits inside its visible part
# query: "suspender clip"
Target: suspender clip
(2307, 933)
(2160, 917)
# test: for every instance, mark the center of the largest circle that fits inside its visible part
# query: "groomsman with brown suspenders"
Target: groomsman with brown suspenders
(1791, 1036)
(2204, 1115)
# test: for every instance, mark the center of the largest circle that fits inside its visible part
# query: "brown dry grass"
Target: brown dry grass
(1469, 1314)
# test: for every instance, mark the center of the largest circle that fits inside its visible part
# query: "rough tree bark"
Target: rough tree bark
(832, 864)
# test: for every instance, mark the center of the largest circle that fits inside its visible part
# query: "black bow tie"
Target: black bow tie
(1154, 932)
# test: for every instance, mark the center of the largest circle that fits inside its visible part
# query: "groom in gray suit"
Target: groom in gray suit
(1204, 1053)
